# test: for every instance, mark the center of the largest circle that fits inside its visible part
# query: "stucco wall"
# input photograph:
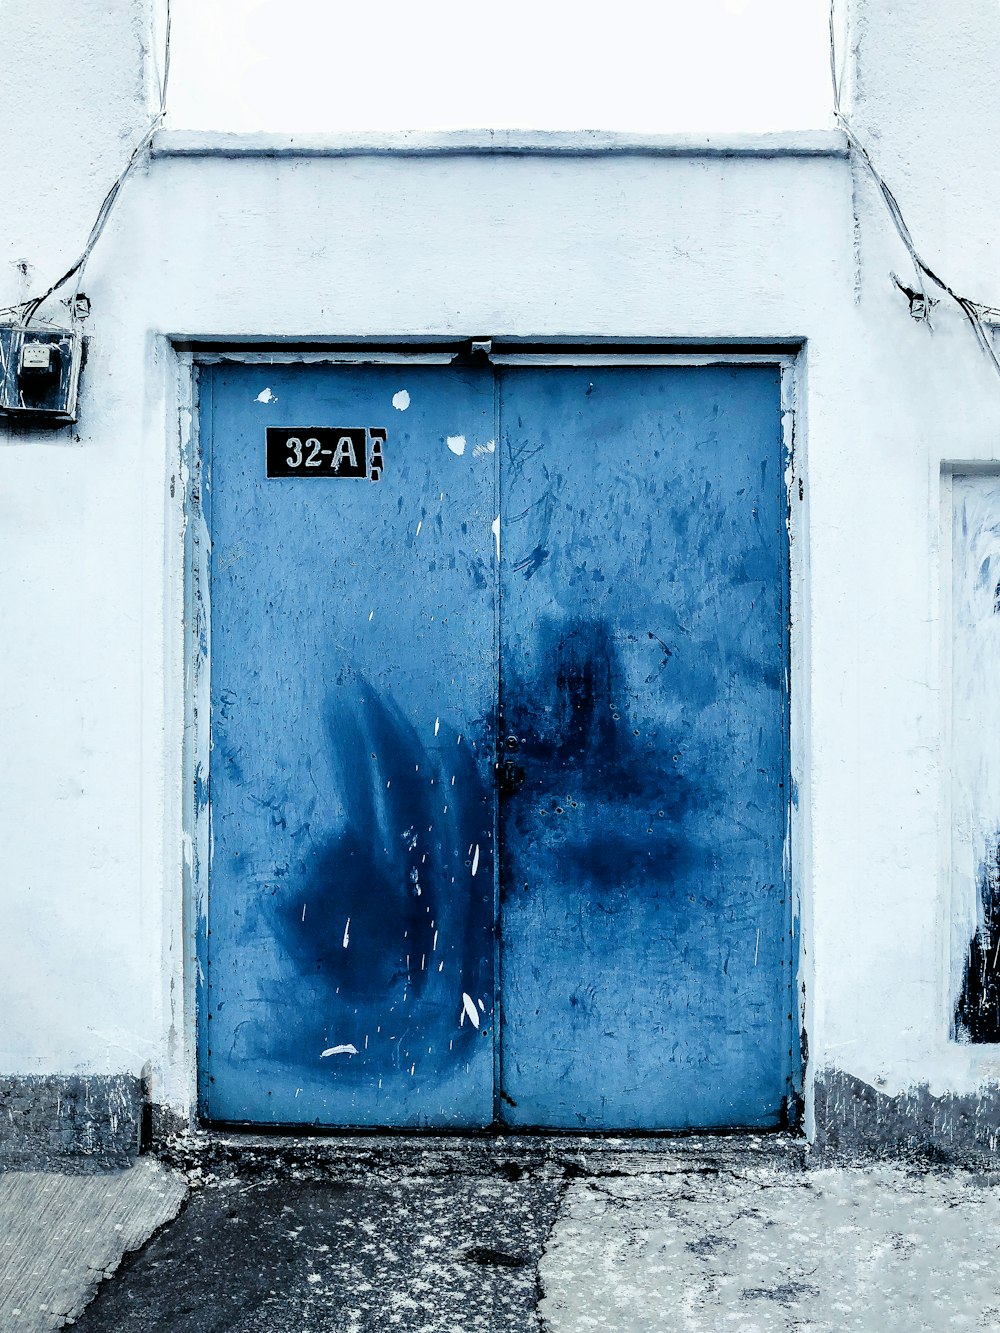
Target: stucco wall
(629, 245)
(919, 90)
(80, 944)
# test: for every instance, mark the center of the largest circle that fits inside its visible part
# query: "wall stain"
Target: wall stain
(977, 1013)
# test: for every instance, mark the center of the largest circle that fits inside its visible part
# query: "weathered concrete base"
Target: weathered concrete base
(885, 1249)
(99, 1122)
(225, 1155)
(855, 1121)
(70, 1122)
(60, 1235)
(162, 1125)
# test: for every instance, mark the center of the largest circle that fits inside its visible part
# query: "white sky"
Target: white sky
(330, 66)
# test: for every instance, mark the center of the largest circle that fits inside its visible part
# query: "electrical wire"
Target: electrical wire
(30, 308)
(974, 311)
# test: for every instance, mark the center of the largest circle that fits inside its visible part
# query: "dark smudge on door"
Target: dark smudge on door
(396, 877)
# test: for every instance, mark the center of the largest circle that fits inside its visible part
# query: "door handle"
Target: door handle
(510, 777)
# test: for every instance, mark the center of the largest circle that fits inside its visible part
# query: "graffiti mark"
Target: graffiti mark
(531, 564)
(977, 1014)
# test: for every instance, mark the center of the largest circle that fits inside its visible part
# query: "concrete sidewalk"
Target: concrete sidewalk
(494, 1236)
(61, 1235)
(831, 1251)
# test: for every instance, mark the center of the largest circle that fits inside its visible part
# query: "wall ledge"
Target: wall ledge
(502, 143)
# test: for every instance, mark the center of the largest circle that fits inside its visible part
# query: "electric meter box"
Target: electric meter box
(39, 372)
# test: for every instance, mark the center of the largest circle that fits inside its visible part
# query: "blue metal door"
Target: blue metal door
(645, 950)
(633, 634)
(350, 934)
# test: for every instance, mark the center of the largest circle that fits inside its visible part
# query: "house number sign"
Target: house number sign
(325, 451)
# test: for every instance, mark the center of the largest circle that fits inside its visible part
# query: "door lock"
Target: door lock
(510, 777)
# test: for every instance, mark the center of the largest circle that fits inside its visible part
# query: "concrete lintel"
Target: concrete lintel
(510, 143)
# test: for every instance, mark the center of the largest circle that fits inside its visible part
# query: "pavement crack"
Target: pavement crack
(544, 1324)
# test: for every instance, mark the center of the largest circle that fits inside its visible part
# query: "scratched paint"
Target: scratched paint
(975, 615)
(640, 669)
(645, 915)
(353, 702)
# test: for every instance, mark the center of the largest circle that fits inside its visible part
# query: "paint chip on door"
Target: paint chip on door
(469, 1008)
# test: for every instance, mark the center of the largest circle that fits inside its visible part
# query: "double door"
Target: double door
(499, 741)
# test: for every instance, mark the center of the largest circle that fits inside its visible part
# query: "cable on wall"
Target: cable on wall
(28, 309)
(974, 311)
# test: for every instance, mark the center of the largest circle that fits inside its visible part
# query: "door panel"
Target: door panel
(645, 945)
(640, 666)
(349, 952)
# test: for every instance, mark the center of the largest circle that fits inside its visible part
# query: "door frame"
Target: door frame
(189, 545)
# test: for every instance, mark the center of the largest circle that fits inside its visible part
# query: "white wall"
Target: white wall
(547, 246)
(80, 933)
(922, 94)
